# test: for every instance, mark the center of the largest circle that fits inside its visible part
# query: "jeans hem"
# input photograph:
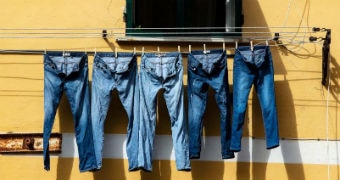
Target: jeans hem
(185, 169)
(194, 156)
(138, 169)
(228, 156)
(89, 169)
(273, 146)
(145, 170)
(235, 149)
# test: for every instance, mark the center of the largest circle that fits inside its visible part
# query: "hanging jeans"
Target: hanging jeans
(254, 67)
(162, 72)
(204, 70)
(69, 72)
(120, 73)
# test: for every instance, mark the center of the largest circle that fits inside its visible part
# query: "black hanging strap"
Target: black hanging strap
(325, 55)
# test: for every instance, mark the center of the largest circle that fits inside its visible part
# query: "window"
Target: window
(183, 17)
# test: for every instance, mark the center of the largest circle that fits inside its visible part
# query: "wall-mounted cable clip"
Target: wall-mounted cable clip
(104, 33)
(276, 36)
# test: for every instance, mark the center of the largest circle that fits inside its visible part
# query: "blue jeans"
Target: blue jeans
(120, 73)
(204, 70)
(69, 73)
(162, 72)
(254, 67)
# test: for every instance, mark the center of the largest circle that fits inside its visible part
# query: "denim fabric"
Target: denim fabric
(157, 72)
(120, 73)
(69, 72)
(254, 67)
(204, 70)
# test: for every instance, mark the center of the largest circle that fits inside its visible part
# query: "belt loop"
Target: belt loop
(142, 60)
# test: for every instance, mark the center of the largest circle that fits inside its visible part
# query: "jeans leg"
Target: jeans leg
(52, 94)
(221, 97)
(77, 91)
(100, 102)
(174, 97)
(265, 89)
(129, 96)
(197, 100)
(148, 94)
(242, 83)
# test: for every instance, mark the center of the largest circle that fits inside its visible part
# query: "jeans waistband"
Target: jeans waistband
(163, 58)
(109, 63)
(66, 54)
(112, 54)
(256, 56)
(55, 57)
(110, 58)
(209, 62)
(65, 63)
(248, 48)
(213, 51)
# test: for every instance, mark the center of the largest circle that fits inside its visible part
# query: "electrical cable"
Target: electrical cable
(327, 125)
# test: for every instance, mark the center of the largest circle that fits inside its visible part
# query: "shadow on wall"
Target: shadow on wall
(113, 124)
(65, 165)
(334, 82)
(334, 78)
(116, 122)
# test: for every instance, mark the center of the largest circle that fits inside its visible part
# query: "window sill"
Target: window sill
(177, 39)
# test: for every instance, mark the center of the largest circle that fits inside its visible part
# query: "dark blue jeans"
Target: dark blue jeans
(120, 73)
(69, 73)
(157, 72)
(204, 70)
(254, 67)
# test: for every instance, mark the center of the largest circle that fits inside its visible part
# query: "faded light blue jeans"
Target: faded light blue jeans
(164, 71)
(254, 67)
(204, 70)
(69, 73)
(120, 73)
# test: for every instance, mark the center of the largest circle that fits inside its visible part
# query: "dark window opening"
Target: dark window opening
(183, 17)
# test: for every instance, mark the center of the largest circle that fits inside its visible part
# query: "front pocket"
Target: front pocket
(193, 63)
(259, 57)
(170, 69)
(123, 66)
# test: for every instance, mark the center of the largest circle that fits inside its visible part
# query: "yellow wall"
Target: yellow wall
(301, 99)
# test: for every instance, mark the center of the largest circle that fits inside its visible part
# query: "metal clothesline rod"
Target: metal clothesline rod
(112, 32)
(100, 36)
(245, 35)
(196, 32)
(174, 28)
(137, 52)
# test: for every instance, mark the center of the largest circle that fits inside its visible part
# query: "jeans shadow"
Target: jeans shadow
(206, 170)
(161, 169)
(65, 165)
(116, 122)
